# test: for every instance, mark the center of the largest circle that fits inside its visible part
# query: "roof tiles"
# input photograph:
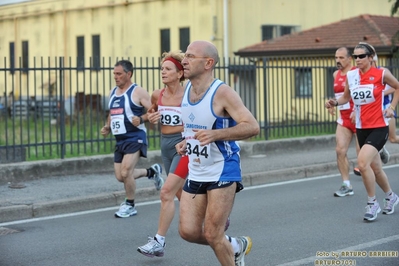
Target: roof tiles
(376, 30)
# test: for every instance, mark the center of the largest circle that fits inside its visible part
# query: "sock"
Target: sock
(347, 183)
(234, 243)
(150, 172)
(389, 194)
(371, 199)
(160, 239)
(130, 202)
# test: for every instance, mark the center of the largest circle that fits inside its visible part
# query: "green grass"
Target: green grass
(294, 130)
(43, 140)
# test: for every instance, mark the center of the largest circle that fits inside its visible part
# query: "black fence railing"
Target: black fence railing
(56, 110)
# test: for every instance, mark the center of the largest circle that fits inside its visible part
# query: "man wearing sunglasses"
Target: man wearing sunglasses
(345, 125)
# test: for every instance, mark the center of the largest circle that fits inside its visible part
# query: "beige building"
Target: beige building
(37, 32)
(141, 28)
(300, 66)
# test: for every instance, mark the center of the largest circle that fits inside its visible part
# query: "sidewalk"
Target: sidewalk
(63, 186)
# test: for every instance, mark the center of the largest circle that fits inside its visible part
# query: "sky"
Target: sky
(7, 2)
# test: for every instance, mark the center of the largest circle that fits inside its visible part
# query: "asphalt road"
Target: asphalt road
(56, 187)
(291, 223)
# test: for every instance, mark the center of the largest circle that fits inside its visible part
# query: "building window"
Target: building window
(303, 82)
(284, 30)
(165, 40)
(12, 57)
(96, 52)
(267, 32)
(80, 41)
(184, 38)
(329, 82)
(273, 31)
(25, 56)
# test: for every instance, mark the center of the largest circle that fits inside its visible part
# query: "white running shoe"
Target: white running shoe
(125, 210)
(384, 155)
(372, 209)
(245, 243)
(390, 203)
(152, 248)
(158, 180)
(343, 191)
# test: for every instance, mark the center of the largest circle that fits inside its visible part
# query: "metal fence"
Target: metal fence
(55, 109)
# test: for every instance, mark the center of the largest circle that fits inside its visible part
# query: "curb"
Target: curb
(34, 170)
(36, 210)
(105, 200)
(21, 172)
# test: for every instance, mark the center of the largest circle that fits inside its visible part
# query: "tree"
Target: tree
(395, 38)
(394, 7)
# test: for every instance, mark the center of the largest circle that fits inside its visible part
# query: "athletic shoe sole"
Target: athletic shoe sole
(356, 171)
(125, 216)
(343, 195)
(160, 185)
(149, 255)
(249, 245)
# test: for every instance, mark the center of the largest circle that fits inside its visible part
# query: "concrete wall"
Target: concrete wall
(25, 171)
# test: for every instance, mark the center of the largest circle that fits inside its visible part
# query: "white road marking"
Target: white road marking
(158, 201)
(74, 214)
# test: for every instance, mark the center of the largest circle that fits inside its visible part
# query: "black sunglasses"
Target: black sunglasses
(361, 56)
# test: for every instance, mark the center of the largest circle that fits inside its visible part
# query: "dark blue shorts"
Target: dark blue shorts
(128, 148)
(194, 187)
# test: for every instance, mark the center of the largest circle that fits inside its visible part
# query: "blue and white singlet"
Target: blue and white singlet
(219, 160)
